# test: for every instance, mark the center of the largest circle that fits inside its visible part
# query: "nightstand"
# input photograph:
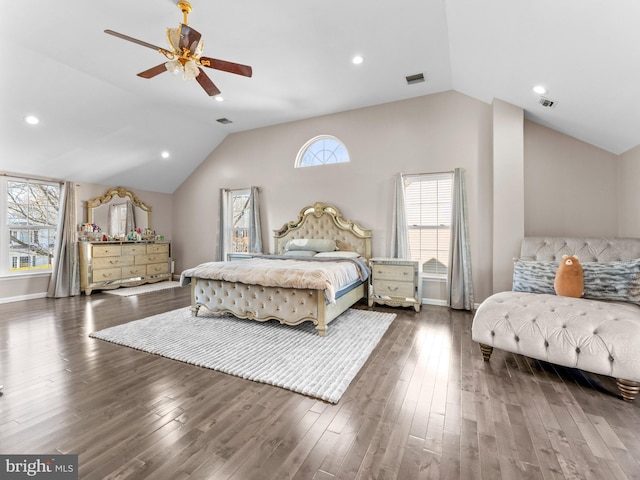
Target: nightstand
(394, 282)
(239, 256)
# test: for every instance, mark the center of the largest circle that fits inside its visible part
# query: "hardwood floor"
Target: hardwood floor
(424, 406)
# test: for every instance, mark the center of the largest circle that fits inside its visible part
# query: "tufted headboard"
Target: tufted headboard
(588, 249)
(324, 221)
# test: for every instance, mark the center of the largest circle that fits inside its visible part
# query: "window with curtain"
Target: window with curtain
(428, 201)
(237, 215)
(29, 225)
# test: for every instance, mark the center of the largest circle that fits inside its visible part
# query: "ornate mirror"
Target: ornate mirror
(118, 212)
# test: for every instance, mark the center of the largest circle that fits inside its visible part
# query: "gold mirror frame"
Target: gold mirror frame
(112, 194)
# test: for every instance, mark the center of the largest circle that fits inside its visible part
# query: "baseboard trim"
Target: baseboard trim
(433, 301)
(21, 298)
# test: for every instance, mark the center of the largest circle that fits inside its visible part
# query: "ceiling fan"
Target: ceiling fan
(185, 55)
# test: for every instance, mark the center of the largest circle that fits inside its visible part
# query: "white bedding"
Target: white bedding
(325, 274)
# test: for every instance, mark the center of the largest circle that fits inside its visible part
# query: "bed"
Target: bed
(223, 287)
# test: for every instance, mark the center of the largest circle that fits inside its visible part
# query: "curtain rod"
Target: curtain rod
(427, 173)
(25, 177)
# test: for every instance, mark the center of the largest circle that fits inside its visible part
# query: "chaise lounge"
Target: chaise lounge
(598, 333)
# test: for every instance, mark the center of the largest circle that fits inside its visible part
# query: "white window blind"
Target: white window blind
(428, 200)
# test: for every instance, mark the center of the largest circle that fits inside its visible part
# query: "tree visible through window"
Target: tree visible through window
(31, 225)
(322, 150)
(428, 200)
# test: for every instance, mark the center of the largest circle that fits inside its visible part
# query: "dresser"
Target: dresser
(106, 265)
(394, 282)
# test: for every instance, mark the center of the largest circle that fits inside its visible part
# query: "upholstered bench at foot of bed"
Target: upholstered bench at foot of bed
(594, 336)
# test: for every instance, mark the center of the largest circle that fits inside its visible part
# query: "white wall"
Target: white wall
(571, 187)
(508, 190)
(629, 194)
(426, 134)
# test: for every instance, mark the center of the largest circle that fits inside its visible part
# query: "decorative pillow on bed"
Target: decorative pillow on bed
(313, 244)
(300, 253)
(534, 276)
(614, 281)
(341, 254)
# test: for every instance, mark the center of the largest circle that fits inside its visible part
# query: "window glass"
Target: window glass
(322, 150)
(428, 200)
(30, 225)
(239, 228)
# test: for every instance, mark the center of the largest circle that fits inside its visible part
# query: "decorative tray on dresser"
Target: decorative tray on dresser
(394, 282)
(106, 265)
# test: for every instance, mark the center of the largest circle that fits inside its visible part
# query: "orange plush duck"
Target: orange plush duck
(569, 280)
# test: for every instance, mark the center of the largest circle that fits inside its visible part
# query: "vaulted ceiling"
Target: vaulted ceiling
(100, 123)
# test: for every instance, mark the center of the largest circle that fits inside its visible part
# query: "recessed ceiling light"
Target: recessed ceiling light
(165, 154)
(357, 60)
(219, 98)
(32, 119)
(539, 89)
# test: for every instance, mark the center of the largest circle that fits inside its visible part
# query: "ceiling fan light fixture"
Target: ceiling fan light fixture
(173, 66)
(190, 70)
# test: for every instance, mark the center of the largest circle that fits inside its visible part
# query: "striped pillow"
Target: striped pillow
(617, 281)
(614, 281)
(534, 277)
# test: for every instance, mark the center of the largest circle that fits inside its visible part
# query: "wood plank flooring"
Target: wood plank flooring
(424, 406)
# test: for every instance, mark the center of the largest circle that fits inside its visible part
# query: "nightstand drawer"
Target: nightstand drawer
(394, 289)
(393, 272)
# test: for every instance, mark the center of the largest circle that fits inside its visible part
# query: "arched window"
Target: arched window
(322, 150)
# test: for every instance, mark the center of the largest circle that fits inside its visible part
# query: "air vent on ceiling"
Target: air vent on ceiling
(546, 102)
(417, 78)
(224, 121)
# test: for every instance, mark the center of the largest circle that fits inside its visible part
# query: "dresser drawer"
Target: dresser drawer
(106, 274)
(151, 258)
(131, 271)
(106, 251)
(158, 248)
(158, 268)
(394, 272)
(137, 249)
(110, 262)
(393, 288)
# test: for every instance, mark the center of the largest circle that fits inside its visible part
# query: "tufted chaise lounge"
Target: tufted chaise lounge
(596, 336)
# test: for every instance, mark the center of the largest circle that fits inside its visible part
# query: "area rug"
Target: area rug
(295, 358)
(142, 289)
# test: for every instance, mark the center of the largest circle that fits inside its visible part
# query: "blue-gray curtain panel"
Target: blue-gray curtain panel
(65, 276)
(399, 229)
(255, 230)
(459, 282)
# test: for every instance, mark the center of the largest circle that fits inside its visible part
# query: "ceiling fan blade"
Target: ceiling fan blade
(152, 72)
(230, 67)
(189, 38)
(134, 40)
(206, 83)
